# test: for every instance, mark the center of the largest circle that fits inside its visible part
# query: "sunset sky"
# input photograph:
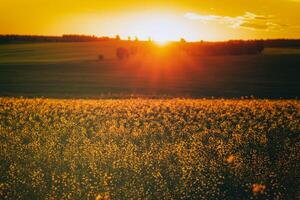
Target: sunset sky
(161, 20)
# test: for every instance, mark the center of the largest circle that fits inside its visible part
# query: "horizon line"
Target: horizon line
(133, 38)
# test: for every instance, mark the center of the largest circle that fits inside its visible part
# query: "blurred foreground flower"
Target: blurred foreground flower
(230, 159)
(103, 196)
(258, 188)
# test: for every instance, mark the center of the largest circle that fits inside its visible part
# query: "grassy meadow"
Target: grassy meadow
(149, 149)
(72, 70)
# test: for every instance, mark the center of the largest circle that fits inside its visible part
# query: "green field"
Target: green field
(72, 70)
(149, 149)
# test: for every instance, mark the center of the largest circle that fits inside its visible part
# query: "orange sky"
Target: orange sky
(161, 20)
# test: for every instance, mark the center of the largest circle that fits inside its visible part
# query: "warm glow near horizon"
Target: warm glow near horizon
(159, 20)
(158, 27)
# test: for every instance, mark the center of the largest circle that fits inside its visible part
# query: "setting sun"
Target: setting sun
(159, 27)
(161, 42)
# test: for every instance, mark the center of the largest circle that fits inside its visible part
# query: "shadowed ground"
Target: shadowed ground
(72, 70)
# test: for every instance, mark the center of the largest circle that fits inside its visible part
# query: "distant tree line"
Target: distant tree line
(282, 43)
(238, 47)
(6, 39)
(192, 49)
(12, 39)
(268, 43)
(232, 47)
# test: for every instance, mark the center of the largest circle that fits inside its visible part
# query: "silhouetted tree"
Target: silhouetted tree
(182, 40)
(122, 53)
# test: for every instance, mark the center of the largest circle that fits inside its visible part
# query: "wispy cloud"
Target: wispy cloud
(249, 20)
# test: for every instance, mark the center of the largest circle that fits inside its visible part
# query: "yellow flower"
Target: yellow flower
(258, 188)
(230, 159)
(103, 196)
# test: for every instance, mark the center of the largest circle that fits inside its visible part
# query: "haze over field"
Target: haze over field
(73, 70)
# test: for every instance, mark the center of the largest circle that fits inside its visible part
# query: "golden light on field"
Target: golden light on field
(91, 147)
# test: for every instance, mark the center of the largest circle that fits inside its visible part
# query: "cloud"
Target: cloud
(194, 16)
(250, 25)
(249, 20)
(252, 16)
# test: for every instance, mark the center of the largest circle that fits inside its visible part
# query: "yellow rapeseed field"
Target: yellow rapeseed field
(149, 149)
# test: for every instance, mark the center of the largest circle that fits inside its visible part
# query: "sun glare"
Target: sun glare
(160, 28)
(161, 42)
